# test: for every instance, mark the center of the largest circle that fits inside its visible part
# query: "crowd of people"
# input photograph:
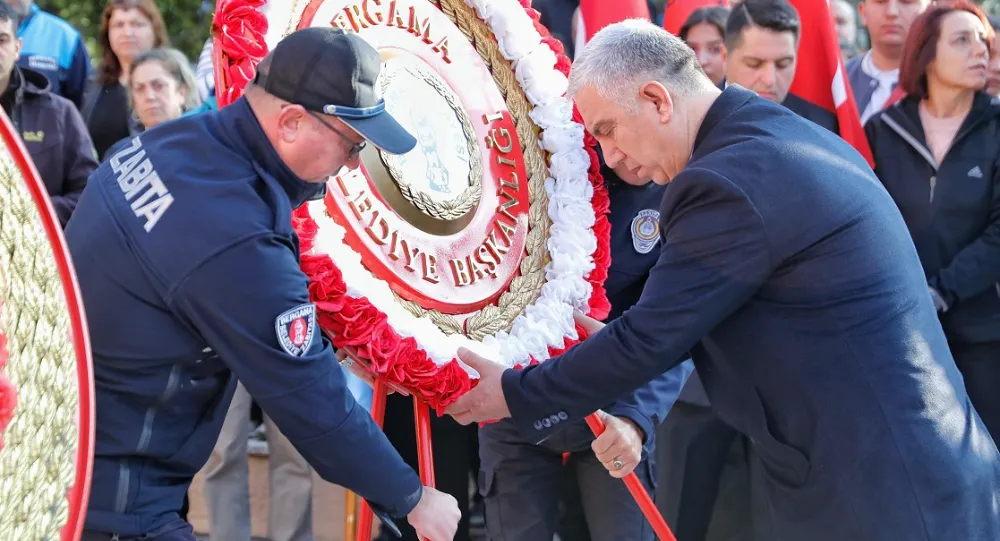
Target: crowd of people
(926, 82)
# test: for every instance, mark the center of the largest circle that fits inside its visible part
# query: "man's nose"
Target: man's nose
(892, 8)
(767, 74)
(612, 156)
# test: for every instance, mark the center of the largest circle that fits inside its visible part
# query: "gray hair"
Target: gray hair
(177, 66)
(623, 55)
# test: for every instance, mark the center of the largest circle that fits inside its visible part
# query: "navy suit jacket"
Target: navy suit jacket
(789, 273)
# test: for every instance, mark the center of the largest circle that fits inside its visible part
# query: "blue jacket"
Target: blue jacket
(54, 135)
(210, 104)
(634, 217)
(789, 273)
(189, 270)
(53, 47)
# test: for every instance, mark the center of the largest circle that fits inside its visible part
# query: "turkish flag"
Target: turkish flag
(678, 11)
(820, 90)
(594, 15)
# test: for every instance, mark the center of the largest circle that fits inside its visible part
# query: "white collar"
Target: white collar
(870, 69)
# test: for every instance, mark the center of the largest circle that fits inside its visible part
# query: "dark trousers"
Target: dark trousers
(709, 482)
(175, 530)
(522, 484)
(980, 367)
(455, 455)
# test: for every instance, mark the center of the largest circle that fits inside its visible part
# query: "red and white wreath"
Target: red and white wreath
(359, 310)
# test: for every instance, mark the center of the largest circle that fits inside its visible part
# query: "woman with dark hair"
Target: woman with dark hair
(705, 32)
(993, 77)
(128, 29)
(937, 151)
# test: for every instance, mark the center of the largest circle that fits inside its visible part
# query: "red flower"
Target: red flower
(408, 351)
(356, 322)
(453, 383)
(306, 228)
(382, 348)
(326, 284)
(240, 27)
(8, 402)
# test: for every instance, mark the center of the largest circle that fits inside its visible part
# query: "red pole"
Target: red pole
(638, 491)
(365, 516)
(425, 451)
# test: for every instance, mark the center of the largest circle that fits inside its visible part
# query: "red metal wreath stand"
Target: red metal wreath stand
(425, 460)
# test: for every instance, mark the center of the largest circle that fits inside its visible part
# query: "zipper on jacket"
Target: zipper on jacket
(124, 473)
(122, 497)
(911, 140)
(920, 148)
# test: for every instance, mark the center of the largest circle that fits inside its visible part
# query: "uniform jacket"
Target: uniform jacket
(789, 273)
(634, 216)
(55, 49)
(952, 209)
(54, 135)
(189, 271)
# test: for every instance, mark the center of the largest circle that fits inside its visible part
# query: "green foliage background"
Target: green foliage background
(189, 22)
(992, 7)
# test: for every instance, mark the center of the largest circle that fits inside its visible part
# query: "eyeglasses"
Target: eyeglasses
(356, 148)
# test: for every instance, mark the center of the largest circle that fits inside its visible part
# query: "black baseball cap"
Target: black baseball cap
(330, 71)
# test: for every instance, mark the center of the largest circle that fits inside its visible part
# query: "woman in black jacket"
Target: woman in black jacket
(937, 152)
(128, 29)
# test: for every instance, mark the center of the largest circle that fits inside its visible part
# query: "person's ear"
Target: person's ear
(290, 120)
(655, 93)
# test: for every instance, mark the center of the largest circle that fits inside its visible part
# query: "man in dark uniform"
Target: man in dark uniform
(188, 264)
(789, 273)
(635, 237)
(521, 481)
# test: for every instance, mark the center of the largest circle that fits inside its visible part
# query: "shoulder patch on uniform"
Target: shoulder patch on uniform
(295, 329)
(646, 230)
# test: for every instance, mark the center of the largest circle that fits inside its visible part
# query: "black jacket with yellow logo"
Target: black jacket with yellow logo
(54, 135)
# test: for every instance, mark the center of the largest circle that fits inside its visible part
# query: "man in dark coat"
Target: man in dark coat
(52, 129)
(789, 273)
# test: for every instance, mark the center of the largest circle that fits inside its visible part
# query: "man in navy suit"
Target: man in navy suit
(787, 271)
